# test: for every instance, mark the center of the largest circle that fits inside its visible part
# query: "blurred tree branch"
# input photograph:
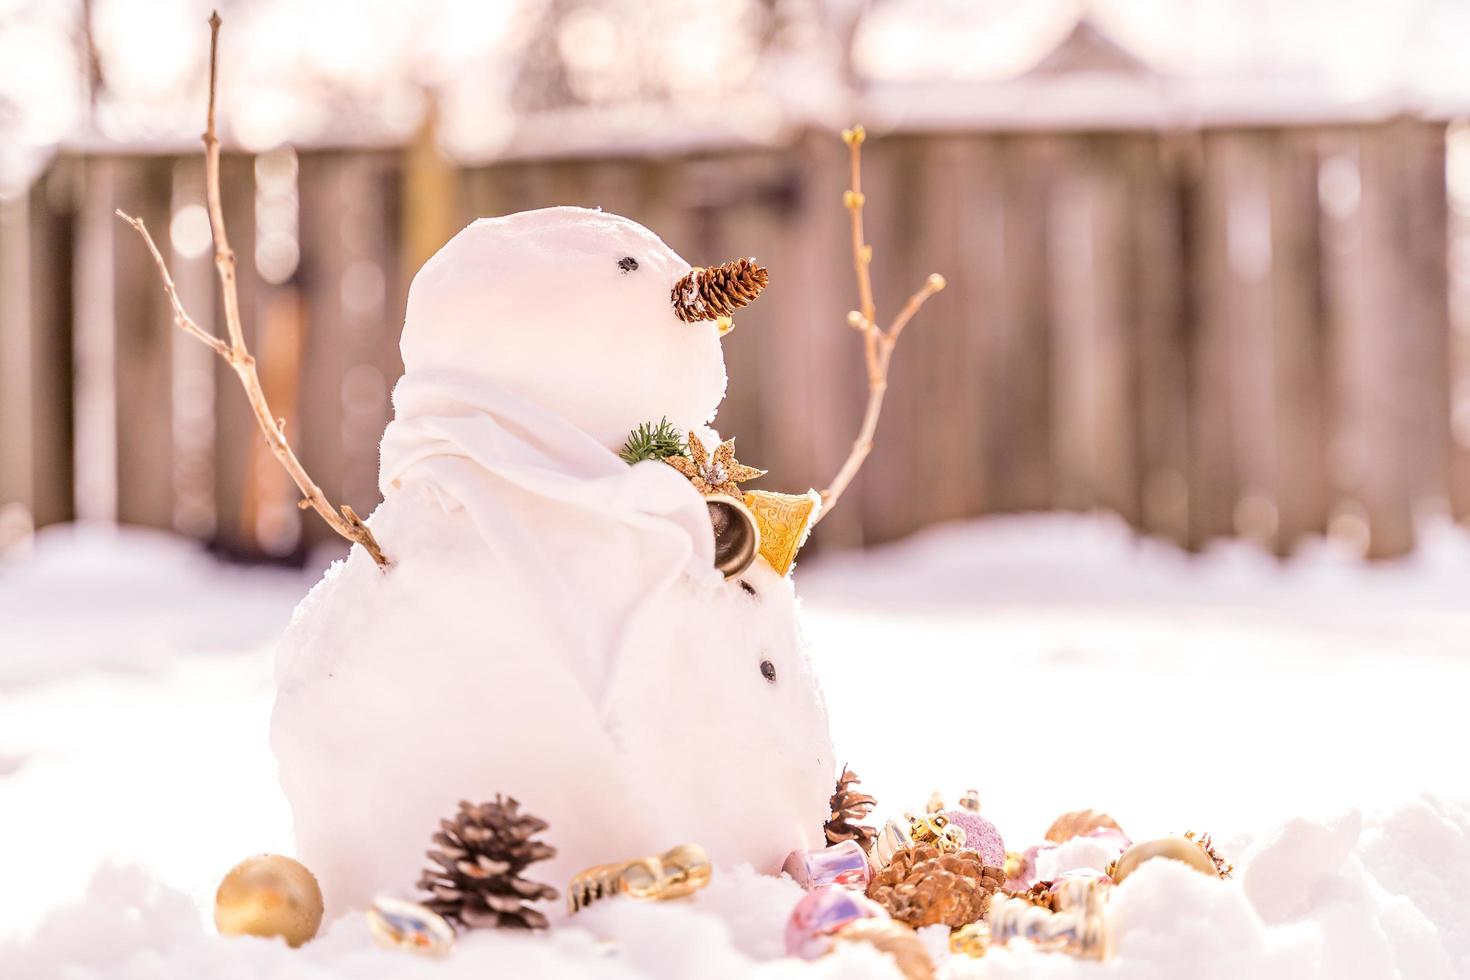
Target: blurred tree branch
(878, 343)
(345, 522)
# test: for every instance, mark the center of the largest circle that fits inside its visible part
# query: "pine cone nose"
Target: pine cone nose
(708, 294)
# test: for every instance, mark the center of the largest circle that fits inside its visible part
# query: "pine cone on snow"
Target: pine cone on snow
(922, 887)
(481, 854)
(707, 294)
(848, 807)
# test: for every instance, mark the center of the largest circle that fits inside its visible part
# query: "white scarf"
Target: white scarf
(594, 540)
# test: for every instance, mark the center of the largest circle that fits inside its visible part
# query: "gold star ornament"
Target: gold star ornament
(712, 475)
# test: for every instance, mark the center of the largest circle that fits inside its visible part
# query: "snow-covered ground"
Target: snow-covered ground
(1312, 716)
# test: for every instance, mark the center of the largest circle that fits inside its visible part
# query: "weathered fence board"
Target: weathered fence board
(1229, 332)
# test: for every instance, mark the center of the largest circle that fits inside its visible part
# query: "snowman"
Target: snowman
(552, 626)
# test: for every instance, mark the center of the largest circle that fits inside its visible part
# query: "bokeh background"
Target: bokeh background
(1208, 260)
(1165, 516)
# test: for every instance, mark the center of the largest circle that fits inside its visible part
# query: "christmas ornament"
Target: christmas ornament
(970, 801)
(821, 914)
(898, 941)
(785, 520)
(650, 441)
(1174, 848)
(480, 857)
(269, 896)
(708, 294)
(737, 535)
(1080, 823)
(720, 473)
(980, 835)
(1222, 867)
(936, 803)
(893, 838)
(972, 940)
(1073, 888)
(849, 807)
(842, 864)
(1079, 931)
(934, 828)
(676, 873)
(1021, 870)
(1038, 894)
(397, 924)
(923, 887)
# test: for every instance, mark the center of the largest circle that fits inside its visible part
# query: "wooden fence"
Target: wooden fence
(1217, 333)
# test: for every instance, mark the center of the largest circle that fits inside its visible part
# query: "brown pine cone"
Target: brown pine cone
(707, 294)
(848, 807)
(922, 887)
(481, 854)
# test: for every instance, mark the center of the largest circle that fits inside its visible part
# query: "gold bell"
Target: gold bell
(785, 520)
(737, 535)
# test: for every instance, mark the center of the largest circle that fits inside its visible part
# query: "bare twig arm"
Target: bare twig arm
(346, 522)
(877, 343)
(224, 255)
(181, 317)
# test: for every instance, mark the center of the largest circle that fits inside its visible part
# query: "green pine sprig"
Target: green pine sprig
(650, 441)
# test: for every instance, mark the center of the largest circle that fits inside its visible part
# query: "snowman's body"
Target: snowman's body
(551, 627)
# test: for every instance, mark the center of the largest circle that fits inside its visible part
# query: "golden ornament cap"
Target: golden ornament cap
(269, 895)
(1175, 848)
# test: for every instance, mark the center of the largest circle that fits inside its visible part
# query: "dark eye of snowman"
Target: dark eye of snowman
(627, 263)
(768, 671)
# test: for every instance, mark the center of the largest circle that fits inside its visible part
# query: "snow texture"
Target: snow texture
(552, 625)
(150, 783)
(537, 304)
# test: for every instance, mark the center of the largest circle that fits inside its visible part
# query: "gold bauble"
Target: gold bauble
(895, 939)
(269, 895)
(1176, 848)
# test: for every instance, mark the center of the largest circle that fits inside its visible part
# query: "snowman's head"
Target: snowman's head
(573, 309)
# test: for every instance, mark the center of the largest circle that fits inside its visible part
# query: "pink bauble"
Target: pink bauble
(980, 836)
(820, 914)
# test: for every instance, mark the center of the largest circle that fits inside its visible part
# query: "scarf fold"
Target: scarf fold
(593, 541)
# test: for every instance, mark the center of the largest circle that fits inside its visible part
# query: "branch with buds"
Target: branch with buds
(878, 343)
(234, 352)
